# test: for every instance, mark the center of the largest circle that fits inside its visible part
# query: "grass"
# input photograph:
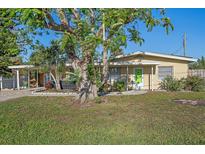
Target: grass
(152, 118)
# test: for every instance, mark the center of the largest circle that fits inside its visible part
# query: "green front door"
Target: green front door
(139, 77)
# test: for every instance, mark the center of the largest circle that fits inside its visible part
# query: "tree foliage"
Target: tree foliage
(9, 48)
(200, 64)
(48, 58)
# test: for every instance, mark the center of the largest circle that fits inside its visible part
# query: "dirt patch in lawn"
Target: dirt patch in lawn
(190, 102)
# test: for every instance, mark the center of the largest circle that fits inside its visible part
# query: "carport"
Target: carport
(16, 81)
(16, 69)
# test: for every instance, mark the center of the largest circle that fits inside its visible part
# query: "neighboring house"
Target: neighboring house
(139, 70)
(145, 70)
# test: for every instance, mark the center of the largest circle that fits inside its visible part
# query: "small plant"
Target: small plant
(195, 83)
(49, 85)
(74, 77)
(105, 88)
(119, 86)
(171, 84)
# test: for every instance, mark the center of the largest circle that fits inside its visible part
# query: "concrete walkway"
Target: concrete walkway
(132, 92)
(54, 94)
(12, 94)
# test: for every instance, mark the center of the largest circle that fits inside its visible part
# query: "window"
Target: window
(115, 73)
(164, 71)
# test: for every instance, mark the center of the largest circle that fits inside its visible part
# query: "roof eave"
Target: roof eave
(158, 55)
(20, 66)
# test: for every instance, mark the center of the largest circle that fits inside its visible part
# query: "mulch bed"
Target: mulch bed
(190, 102)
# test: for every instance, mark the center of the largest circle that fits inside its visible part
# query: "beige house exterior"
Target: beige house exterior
(151, 68)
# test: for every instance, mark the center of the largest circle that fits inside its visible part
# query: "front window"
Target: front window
(164, 71)
(115, 73)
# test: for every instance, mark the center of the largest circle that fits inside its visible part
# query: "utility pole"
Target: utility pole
(184, 43)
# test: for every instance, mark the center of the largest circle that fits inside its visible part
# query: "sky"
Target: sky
(190, 21)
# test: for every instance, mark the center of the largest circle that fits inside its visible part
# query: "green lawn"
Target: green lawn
(152, 118)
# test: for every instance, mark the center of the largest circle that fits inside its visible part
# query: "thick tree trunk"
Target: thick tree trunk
(87, 89)
(105, 66)
(56, 80)
(58, 87)
(105, 56)
(94, 90)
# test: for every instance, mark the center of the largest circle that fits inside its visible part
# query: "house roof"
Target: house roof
(184, 58)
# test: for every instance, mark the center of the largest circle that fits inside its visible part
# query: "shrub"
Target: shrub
(104, 89)
(119, 86)
(49, 85)
(171, 84)
(191, 83)
(74, 77)
(195, 83)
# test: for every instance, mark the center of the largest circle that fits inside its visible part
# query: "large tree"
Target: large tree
(8, 51)
(9, 48)
(82, 32)
(78, 27)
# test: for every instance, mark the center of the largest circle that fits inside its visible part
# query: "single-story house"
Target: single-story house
(140, 70)
(147, 69)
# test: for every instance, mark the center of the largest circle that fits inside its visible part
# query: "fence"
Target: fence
(197, 72)
(10, 83)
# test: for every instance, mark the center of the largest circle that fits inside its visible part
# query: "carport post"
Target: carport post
(152, 78)
(17, 77)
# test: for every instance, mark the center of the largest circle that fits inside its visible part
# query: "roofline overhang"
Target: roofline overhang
(189, 59)
(20, 66)
(123, 63)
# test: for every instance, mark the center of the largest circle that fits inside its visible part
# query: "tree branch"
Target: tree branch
(64, 26)
(75, 13)
(92, 20)
(99, 32)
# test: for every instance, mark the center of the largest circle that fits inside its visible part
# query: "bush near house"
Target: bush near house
(119, 86)
(49, 85)
(191, 83)
(195, 83)
(171, 84)
(104, 89)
